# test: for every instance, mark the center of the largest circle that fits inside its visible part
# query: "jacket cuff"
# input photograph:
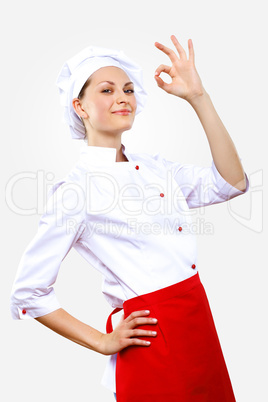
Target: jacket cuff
(33, 309)
(226, 189)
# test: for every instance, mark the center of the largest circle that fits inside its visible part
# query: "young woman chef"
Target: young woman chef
(165, 347)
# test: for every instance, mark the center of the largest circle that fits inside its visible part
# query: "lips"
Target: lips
(123, 112)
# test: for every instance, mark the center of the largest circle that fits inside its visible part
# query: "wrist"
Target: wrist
(198, 100)
(98, 343)
(102, 344)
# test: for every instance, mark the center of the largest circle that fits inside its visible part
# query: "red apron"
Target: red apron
(184, 362)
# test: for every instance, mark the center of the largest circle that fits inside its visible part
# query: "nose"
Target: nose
(122, 98)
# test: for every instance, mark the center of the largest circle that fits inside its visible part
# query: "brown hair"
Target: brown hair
(80, 96)
(83, 89)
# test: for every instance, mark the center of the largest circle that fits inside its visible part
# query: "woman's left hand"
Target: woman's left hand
(186, 82)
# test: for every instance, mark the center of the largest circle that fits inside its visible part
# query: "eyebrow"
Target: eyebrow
(112, 83)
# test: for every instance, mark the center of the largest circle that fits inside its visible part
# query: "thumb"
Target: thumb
(121, 319)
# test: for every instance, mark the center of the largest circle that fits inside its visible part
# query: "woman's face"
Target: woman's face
(109, 101)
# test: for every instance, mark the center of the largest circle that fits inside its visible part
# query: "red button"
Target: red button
(161, 195)
(180, 229)
(137, 167)
(193, 266)
(23, 311)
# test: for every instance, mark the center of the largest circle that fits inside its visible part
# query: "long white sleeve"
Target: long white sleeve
(59, 228)
(202, 186)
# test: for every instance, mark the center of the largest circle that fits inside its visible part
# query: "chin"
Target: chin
(124, 127)
(128, 127)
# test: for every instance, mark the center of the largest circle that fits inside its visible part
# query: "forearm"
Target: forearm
(222, 148)
(125, 334)
(71, 328)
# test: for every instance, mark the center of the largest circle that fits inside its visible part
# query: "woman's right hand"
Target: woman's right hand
(126, 333)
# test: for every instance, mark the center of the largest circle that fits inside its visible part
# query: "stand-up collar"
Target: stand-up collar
(95, 155)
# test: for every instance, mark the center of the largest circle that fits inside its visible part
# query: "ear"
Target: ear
(79, 108)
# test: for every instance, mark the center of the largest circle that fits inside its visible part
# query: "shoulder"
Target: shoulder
(74, 178)
(68, 193)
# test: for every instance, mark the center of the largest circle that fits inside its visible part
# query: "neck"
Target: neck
(108, 142)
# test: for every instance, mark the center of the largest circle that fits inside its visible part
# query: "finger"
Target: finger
(162, 69)
(162, 84)
(135, 314)
(137, 342)
(142, 333)
(134, 341)
(135, 322)
(179, 48)
(191, 50)
(169, 52)
(134, 333)
(121, 319)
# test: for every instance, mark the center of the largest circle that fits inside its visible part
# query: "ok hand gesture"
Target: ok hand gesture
(186, 82)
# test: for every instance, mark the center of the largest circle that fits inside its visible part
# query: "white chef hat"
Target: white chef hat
(79, 68)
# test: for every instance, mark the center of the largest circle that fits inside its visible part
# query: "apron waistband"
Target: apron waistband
(109, 325)
(178, 289)
(142, 301)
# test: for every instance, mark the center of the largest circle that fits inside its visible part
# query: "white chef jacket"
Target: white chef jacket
(129, 220)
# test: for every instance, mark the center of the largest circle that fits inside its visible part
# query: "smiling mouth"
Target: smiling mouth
(122, 112)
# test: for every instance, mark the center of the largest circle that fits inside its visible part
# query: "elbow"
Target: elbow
(242, 185)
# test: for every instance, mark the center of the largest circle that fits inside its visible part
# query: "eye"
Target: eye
(129, 91)
(106, 91)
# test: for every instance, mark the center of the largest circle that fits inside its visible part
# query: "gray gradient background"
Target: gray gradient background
(230, 45)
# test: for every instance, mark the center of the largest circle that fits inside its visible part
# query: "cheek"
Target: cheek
(101, 109)
(134, 103)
